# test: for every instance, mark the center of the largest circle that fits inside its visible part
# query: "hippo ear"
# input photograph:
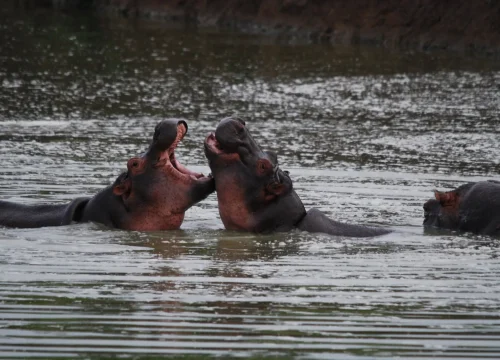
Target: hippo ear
(274, 190)
(277, 188)
(449, 198)
(122, 188)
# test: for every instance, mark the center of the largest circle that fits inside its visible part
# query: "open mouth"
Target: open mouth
(173, 166)
(213, 145)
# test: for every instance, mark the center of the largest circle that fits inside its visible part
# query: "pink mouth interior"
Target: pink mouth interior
(172, 164)
(213, 144)
(182, 169)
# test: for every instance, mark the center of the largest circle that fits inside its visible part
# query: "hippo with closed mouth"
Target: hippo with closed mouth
(472, 207)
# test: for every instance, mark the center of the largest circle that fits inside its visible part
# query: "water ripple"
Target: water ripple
(366, 135)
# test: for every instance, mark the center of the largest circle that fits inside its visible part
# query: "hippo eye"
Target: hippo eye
(134, 164)
(263, 166)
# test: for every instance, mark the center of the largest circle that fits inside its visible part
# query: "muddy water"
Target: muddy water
(366, 135)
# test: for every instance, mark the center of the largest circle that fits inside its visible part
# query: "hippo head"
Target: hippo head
(247, 179)
(159, 188)
(443, 210)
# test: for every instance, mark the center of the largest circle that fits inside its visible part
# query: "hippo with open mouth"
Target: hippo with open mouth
(255, 195)
(153, 194)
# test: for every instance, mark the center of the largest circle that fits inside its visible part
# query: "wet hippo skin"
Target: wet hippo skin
(472, 207)
(255, 195)
(152, 194)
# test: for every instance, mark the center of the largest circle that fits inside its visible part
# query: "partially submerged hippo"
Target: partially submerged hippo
(473, 207)
(152, 195)
(255, 195)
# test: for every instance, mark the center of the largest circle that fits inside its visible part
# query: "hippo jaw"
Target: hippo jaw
(166, 158)
(232, 142)
(232, 145)
(248, 180)
(213, 149)
(157, 184)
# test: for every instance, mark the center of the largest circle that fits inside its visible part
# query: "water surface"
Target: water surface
(366, 134)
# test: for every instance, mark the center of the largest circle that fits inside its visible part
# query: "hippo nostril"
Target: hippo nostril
(241, 121)
(240, 127)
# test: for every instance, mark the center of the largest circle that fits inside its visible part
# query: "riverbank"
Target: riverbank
(463, 26)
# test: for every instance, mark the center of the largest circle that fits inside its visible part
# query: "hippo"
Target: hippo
(153, 194)
(472, 207)
(255, 195)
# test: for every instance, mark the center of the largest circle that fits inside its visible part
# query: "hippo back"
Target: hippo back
(316, 221)
(480, 208)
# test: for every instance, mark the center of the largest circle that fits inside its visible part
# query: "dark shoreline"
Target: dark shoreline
(463, 26)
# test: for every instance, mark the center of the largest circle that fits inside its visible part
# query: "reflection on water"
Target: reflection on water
(366, 134)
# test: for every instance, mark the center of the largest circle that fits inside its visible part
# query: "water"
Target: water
(366, 134)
